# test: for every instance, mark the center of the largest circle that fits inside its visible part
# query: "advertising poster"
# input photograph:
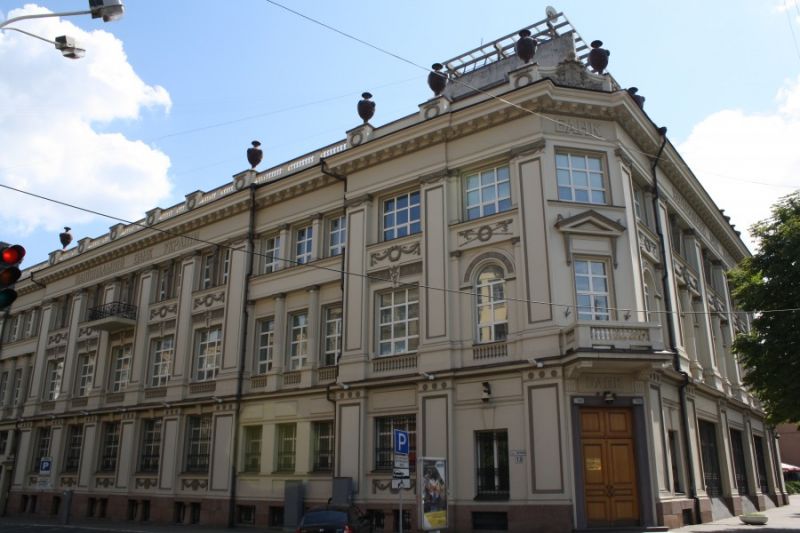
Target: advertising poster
(434, 493)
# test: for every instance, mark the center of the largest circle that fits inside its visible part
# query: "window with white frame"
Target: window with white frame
(226, 265)
(492, 308)
(207, 269)
(252, 448)
(384, 449)
(322, 435)
(215, 267)
(580, 178)
(591, 289)
(333, 336)
(303, 244)
(85, 374)
(17, 386)
(208, 351)
(398, 321)
(271, 253)
(164, 280)
(30, 323)
(286, 447)
(198, 443)
(266, 344)
(55, 369)
(639, 208)
(337, 235)
(161, 356)
(42, 447)
(120, 367)
(487, 192)
(151, 445)
(298, 340)
(401, 215)
(3, 386)
(110, 450)
(72, 453)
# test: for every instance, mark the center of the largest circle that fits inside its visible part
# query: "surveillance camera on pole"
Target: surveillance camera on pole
(109, 10)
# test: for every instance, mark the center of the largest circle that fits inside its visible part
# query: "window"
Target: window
(63, 308)
(168, 282)
(151, 445)
(639, 208)
(3, 386)
(16, 327)
(384, 450)
(3, 441)
(491, 450)
(72, 455)
(214, 268)
(488, 192)
(226, 265)
(401, 216)
(580, 178)
(160, 360)
(337, 235)
(208, 350)
(120, 367)
(198, 435)
(272, 253)
(333, 336)
(492, 312)
(398, 326)
(591, 287)
(322, 435)
(207, 271)
(298, 341)
(672, 438)
(302, 246)
(55, 368)
(42, 447)
(266, 340)
(17, 385)
(108, 459)
(286, 447)
(30, 323)
(85, 374)
(252, 449)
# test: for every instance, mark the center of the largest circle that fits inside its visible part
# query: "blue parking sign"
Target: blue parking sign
(45, 464)
(400, 442)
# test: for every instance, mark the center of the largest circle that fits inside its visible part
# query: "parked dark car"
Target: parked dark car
(334, 520)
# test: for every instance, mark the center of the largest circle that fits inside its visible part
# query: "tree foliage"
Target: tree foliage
(762, 284)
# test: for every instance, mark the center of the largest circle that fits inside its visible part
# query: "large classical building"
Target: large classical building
(523, 274)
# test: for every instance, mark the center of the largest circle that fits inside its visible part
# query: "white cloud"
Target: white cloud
(49, 142)
(746, 161)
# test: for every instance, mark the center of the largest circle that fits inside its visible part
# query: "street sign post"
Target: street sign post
(401, 473)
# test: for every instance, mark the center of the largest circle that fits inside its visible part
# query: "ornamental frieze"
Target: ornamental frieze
(146, 482)
(394, 253)
(164, 311)
(485, 232)
(209, 300)
(194, 484)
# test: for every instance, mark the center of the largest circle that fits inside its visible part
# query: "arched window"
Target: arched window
(491, 306)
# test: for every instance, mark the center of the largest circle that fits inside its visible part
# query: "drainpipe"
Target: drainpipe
(670, 324)
(324, 169)
(242, 356)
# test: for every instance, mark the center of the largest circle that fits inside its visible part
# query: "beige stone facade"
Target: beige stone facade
(486, 273)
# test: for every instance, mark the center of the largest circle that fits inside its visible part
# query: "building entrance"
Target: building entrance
(609, 467)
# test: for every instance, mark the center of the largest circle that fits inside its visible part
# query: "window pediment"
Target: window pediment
(590, 223)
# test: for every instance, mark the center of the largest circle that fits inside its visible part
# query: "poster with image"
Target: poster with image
(434, 493)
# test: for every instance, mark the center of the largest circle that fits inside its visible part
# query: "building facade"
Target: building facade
(524, 275)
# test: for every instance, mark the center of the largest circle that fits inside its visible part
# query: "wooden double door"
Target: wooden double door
(609, 467)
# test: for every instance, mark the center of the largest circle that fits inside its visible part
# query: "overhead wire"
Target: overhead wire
(361, 275)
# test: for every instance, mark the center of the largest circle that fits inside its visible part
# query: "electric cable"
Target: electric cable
(367, 276)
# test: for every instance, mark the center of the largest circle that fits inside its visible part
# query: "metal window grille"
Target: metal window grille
(252, 449)
(492, 464)
(151, 446)
(323, 445)
(199, 443)
(108, 459)
(287, 442)
(72, 458)
(384, 450)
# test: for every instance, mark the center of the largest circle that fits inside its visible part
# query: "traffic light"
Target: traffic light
(10, 258)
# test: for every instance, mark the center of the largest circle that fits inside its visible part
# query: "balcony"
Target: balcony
(111, 317)
(636, 336)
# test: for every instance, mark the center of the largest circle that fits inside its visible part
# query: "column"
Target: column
(719, 350)
(705, 345)
(285, 249)
(71, 358)
(433, 315)
(696, 369)
(141, 346)
(279, 343)
(234, 304)
(8, 397)
(184, 341)
(40, 360)
(314, 313)
(318, 238)
(672, 286)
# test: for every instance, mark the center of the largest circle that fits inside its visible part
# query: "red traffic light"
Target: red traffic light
(12, 255)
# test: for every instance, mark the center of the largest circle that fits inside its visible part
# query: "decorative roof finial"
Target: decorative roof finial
(437, 80)
(598, 57)
(65, 237)
(254, 154)
(366, 107)
(525, 46)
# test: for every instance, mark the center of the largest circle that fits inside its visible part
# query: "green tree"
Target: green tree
(768, 285)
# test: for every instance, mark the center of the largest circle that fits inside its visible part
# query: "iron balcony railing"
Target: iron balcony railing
(113, 309)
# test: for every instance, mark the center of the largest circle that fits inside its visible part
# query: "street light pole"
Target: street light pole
(108, 10)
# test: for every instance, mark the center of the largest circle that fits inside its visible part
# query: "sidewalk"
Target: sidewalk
(781, 520)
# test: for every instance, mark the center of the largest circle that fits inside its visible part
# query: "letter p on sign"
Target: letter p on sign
(400, 442)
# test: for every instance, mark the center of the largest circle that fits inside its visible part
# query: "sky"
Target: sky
(167, 99)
